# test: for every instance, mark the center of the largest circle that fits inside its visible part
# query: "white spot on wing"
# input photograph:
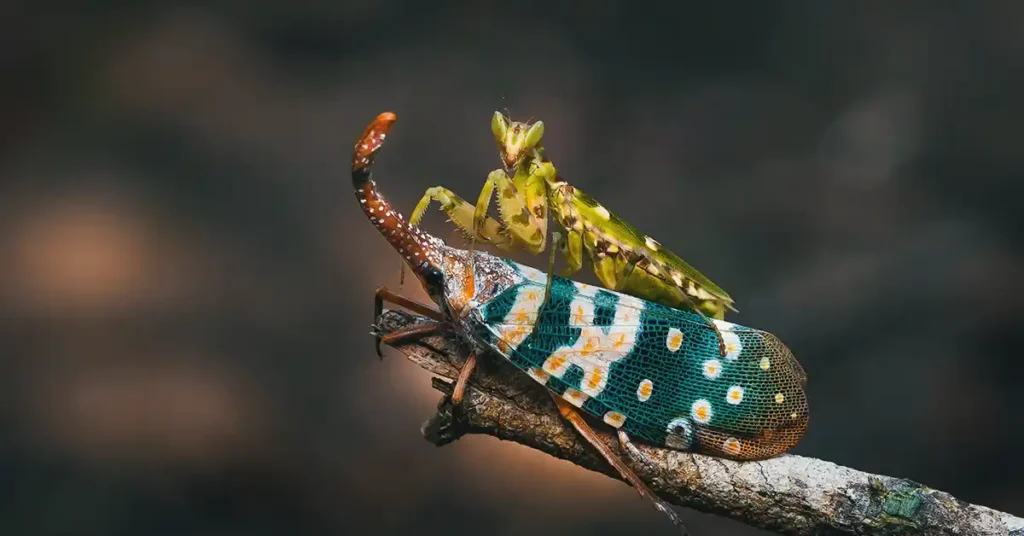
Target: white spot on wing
(712, 369)
(733, 346)
(674, 341)
(574, 397)
(701, 411)
(645, 390)
(735, 395)
(614, 419)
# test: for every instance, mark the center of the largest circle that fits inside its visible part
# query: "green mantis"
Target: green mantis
(624, 259)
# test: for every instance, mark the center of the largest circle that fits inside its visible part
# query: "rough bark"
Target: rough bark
(788, 494)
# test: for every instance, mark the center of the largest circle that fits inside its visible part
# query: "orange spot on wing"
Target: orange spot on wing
(555, 362)
(595, 378)
(579, 317)
(702, 412)
(511, 335)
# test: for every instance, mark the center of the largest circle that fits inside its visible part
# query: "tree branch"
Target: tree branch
(788, 494)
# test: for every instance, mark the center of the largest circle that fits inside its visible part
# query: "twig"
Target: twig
(788, 494)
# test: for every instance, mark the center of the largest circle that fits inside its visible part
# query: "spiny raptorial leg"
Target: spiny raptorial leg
(570, 414)
(385, 294)
(461, 213)
(525, 228)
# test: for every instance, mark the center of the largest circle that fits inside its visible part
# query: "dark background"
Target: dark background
(186, 279)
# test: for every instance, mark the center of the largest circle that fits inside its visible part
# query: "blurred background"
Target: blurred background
(187, 281)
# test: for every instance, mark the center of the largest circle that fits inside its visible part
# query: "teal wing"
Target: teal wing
(653, 371)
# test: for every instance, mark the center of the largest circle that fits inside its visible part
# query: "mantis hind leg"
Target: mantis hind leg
(573, 256)
(556, 240)
(621, 274)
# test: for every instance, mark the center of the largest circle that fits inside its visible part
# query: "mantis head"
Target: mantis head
(516, 140)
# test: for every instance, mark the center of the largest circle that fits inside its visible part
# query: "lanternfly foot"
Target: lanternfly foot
(630, 449)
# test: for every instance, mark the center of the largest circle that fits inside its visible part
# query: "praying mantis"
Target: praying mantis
(528, 186)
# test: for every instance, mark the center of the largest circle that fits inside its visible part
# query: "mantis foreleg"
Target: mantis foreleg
(527, 228)
(460, 212)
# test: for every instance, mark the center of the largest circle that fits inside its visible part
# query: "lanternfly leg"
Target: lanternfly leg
(385, 294)
(459, 391)
(570, 414)
(414, 332)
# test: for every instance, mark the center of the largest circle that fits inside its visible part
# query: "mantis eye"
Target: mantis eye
(535, 133)
(499, 126)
